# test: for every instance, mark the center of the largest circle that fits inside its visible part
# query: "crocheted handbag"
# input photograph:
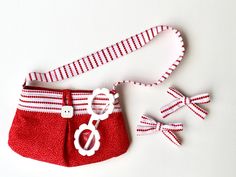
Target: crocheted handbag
(78, 127)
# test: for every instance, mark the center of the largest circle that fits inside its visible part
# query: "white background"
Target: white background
(41, 35)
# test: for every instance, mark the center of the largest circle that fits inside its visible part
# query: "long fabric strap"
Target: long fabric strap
(108, 54)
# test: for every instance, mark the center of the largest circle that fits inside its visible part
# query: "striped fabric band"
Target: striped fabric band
(51, 101)
(108, 54)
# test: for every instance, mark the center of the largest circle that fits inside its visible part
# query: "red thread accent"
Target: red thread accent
(152, 32)
(145, 130)
(199, 98)
(138, 40)
(45, 77)
(64, 67)
(99, 57)
(50, 75)
(174, 136)
(60, 73)
(30, 76)
(175, 91)
(109, 53)
(85, 64)
(95, 60)
(40, 102)
(77, 72)
(90, 62)
(114, 51)
(143, 38)
(200, 109)
(148, 123)
(104, 55)
(71, 70)
(124, 46)
(35, 75)
(129, 45)
(171, 94)
(38, 107)
(55, 75)
(40, 75)
(134, 42)
(80, 66)
(148, 35)
(47, 97)
(117, 44)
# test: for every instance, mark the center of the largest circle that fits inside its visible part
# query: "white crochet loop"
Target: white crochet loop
(111, 99)
(94, 134)
(108, 109)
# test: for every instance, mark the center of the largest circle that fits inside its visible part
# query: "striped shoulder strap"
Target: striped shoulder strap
(108, 54)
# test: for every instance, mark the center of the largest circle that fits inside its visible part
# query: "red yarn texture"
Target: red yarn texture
(50, 138)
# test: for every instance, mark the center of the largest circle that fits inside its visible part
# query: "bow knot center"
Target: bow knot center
(159, 126)
(186, 100)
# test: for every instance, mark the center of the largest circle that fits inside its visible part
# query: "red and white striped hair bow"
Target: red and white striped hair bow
(181, 101)
(148, 125)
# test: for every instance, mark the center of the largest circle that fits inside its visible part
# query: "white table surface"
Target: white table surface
(41, 35)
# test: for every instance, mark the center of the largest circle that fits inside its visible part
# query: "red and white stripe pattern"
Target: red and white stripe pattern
(108, 54)
(181, 101)
(148, 125)
(52, 101)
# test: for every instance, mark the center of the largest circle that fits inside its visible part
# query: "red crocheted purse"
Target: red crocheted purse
(78, 127)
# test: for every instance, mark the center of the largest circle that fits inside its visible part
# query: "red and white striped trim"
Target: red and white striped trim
(108, 54)
(52, 101)
(148, 125)
(190, 102)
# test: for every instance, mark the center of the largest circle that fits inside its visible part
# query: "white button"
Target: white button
(67, 111)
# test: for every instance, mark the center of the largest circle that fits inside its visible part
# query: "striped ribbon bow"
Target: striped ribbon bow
(148, 125)
(190, 102)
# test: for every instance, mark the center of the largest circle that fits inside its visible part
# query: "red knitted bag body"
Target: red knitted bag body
(77, 127)
(39, 132)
